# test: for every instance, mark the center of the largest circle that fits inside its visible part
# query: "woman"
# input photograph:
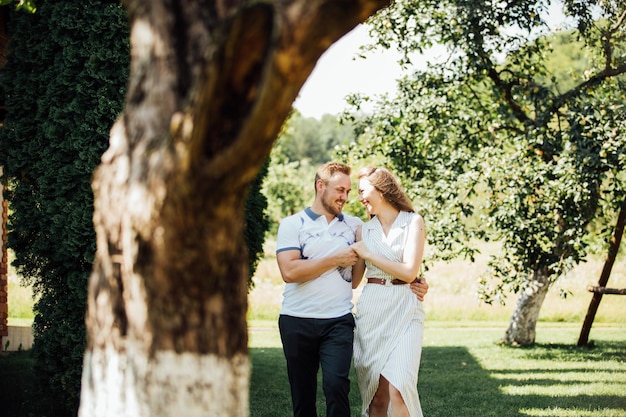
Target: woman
(389, 318)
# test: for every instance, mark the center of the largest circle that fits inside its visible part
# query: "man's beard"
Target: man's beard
(328, 205)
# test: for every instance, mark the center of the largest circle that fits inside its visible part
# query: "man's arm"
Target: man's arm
(358, 269)
(295, 269)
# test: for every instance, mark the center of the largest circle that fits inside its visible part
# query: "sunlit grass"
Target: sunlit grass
(20, 298)
(20, 322)
(574, 412)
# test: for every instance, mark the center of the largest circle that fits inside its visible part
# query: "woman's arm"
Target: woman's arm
(413, 253)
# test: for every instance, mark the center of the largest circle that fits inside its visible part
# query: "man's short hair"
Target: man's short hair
(328, 170)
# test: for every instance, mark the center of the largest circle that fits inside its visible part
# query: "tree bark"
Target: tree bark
(523, 324)
(211, 83)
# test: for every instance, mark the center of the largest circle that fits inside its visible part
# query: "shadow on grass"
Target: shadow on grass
(596, 351)
(18, 395)
(452, 383)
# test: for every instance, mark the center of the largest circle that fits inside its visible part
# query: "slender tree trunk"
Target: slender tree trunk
(211, 83)
(523, 324)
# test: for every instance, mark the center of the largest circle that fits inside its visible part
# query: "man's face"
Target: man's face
(335, 193)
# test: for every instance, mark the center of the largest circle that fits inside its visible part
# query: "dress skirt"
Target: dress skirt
(388, 342)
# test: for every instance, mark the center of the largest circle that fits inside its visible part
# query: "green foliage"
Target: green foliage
(312, 139)
(64, 85)
(517, 149)
(257, 222)
(27, 5)
(289, 188)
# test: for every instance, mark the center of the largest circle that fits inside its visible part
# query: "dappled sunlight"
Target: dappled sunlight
(560, 388)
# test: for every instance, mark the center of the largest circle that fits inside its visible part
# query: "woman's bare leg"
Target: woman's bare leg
(380, 402)
(398, 407)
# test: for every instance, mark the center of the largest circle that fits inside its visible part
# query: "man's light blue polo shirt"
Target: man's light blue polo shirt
(329, 295)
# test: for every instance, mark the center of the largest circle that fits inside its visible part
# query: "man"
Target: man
(316, 322)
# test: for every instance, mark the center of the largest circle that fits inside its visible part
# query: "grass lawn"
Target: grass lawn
(465, 372)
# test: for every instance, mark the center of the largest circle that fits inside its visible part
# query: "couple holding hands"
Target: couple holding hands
(323, 254)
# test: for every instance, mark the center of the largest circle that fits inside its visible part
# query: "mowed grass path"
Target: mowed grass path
(465, 372)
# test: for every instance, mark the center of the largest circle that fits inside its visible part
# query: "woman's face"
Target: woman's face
(369, 196)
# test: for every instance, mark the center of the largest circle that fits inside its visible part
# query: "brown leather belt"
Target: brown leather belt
(382, 281)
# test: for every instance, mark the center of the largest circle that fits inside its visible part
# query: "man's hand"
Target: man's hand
(419, 288)
(346, 257)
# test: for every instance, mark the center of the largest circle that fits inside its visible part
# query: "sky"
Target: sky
(340, 72)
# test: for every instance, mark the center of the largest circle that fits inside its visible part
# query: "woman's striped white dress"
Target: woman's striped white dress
(389, 323)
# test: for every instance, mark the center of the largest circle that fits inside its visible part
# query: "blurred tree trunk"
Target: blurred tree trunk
(211, 83)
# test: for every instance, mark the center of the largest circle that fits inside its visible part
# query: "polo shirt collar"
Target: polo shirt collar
(313, 215)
